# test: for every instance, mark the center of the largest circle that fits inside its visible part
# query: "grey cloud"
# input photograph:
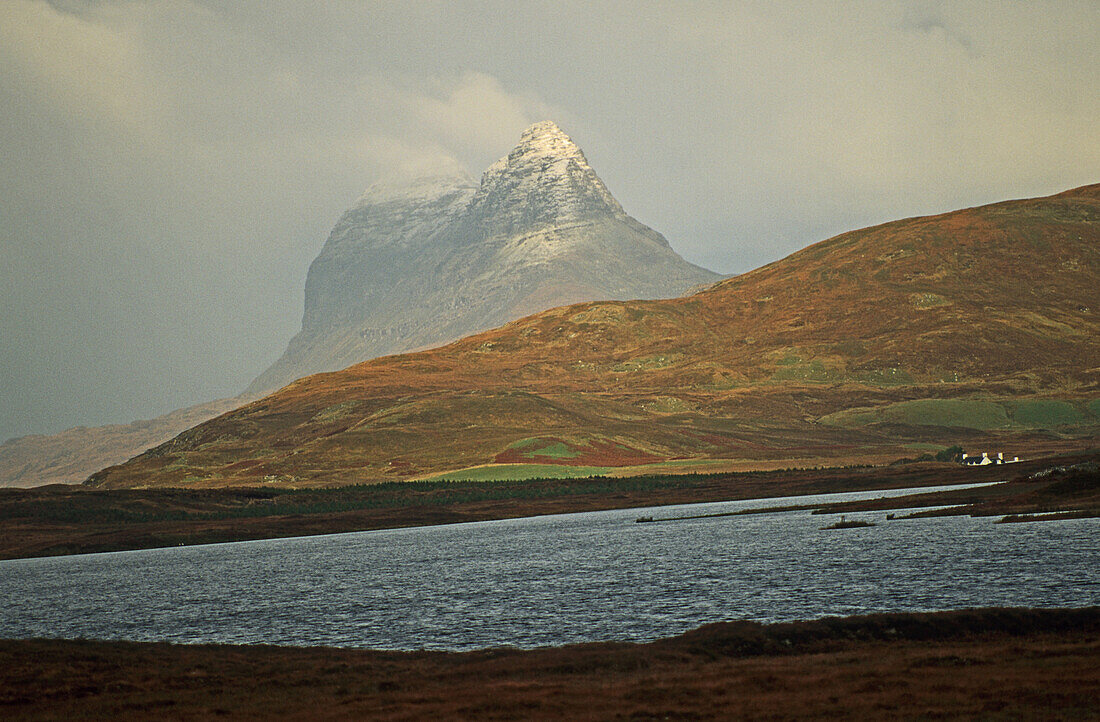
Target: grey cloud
(171, 168)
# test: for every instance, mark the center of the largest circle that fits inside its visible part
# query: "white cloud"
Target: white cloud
(89, 67)
(476, 114)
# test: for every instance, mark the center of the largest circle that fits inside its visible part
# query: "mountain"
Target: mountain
(414, 266)
(418, 264)
(70, 456)
(977, 327)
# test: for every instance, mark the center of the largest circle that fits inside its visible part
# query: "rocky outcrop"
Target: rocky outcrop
(416, 266)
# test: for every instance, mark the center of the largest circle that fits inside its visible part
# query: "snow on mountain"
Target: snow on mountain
(420, 264)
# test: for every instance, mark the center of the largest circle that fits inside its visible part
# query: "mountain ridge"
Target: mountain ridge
(977, 326)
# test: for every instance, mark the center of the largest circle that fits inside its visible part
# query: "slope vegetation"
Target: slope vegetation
(987, 316)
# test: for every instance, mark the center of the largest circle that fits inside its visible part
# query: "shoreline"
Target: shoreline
(992, 663)
(58, 521)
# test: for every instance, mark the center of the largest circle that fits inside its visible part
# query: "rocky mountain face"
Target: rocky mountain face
(419, 265)
(978, 327)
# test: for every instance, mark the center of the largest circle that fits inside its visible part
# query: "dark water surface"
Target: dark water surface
(551, 580)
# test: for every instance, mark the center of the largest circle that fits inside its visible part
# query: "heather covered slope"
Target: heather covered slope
(978, 326)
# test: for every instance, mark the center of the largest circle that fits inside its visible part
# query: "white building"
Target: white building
(985, 459)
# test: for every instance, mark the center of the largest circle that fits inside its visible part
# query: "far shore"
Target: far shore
(60, 520)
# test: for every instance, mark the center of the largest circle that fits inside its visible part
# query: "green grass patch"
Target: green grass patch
(849, 418)
(520, 472)
(557, 450)
(551, 450)
(949, 412)
(687, 462)
(1046, 414)
(813, 372)
(971, 414)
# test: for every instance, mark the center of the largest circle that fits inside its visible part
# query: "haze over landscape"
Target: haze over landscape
(419, 264)
(171, 169)
(416, 264)
(779, 400)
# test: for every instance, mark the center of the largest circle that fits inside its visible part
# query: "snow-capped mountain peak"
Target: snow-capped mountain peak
(543, 181)
(418, 264)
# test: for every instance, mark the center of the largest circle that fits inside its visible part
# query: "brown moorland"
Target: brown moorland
(972, 664)
(977, 327)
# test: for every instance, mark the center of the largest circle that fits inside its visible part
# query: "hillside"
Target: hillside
(977, 327)
(70, 456)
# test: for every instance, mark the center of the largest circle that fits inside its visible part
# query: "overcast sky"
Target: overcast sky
(168, 170)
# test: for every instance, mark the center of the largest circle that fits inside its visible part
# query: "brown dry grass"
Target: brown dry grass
(982, 664)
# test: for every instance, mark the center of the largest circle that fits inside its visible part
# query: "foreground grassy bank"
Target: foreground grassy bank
(71, 520)
(987, 663)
